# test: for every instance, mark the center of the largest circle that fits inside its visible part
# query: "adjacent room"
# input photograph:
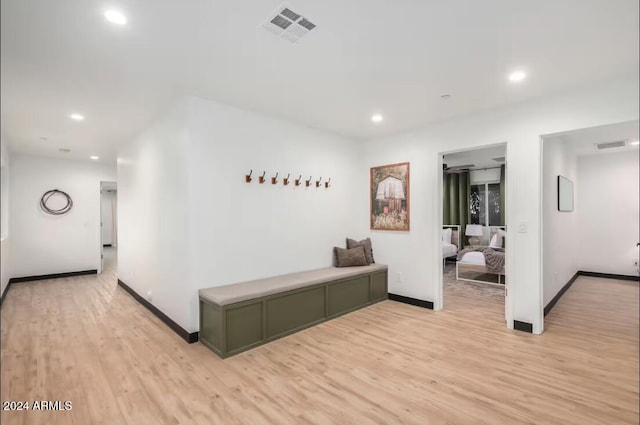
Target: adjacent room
(591, 216)
(473, 230)
(256, 212)
(109, 225)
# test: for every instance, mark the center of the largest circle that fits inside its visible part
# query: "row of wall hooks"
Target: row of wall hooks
(285, 181)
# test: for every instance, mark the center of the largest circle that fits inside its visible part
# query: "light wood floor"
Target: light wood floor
(85, 340)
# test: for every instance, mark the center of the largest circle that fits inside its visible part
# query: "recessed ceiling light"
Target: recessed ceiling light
(43, 138)
(635, 142)
(376, 118)
(94, 157)
(77, 117)
(115, 17)
(517, 76)
(64, 150)
(445, 97)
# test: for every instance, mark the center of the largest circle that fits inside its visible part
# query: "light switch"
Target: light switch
(523, 227)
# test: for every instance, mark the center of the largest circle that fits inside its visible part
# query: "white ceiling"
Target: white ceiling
(365, 56)
(583, 141)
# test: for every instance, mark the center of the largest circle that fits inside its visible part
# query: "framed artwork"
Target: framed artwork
(565, 194)
(389, 195)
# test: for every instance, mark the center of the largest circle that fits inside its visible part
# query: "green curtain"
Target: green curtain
(456, 191)
(502, 196)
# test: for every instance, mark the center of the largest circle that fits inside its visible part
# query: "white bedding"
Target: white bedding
(474, 257)
(448, 249)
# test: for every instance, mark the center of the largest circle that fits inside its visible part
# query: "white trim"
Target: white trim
(438, 299)
(100, 247)
(508, 242)
(540, 328)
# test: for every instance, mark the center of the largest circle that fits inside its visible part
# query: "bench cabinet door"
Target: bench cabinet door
(294, 310)
(244, 325)
(379, 286)
(348, 295)
(211, 326)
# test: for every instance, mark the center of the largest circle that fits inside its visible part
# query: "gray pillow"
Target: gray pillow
(350, 257)
(366, 244)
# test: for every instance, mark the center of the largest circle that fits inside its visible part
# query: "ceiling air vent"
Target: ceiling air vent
(288, 24)
(610, 145)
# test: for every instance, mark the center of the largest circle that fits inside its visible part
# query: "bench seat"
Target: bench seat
(229, 294)
(237, 317)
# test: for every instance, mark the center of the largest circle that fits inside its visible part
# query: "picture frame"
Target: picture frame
(389, 197)
(565, 194)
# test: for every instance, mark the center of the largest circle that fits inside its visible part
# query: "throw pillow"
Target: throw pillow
(446, 235)
(350, 257)
(368, 250)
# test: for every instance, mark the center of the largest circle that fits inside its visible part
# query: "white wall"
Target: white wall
(192, 222)
(417, 253)
(608, 212)
(187, 219)
(243, 231)
(46, 244)
(559, 227)
(5, 267)
(152, 215)
(109, 219)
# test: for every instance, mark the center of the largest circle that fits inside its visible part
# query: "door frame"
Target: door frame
(439, 292)
(100, 220)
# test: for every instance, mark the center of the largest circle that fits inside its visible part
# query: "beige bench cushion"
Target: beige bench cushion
(229, 294)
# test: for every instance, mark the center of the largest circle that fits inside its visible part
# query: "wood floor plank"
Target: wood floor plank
(85, 340)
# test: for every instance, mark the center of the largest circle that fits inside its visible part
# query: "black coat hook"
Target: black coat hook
(307, 183)
(285, 181)
(318, 182)
(274, 180)
(297, 181)
(261, 178)
(327, 183)
(247, 177)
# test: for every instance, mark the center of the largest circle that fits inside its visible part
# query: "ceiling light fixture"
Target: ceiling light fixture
(635, 142)
(115, 17)
(64, 150)
(376, 118)
(94, 157)
(517, 76)
(445, 97)
(77, 117)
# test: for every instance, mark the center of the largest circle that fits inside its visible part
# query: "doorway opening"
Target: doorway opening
(590, 207)
(473, 231)
(108, 226)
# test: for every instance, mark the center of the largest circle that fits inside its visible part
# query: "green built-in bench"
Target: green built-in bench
(235, 318)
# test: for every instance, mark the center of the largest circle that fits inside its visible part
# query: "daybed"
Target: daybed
(484, 259)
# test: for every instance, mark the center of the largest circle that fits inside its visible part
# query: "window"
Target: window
(485, 204)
